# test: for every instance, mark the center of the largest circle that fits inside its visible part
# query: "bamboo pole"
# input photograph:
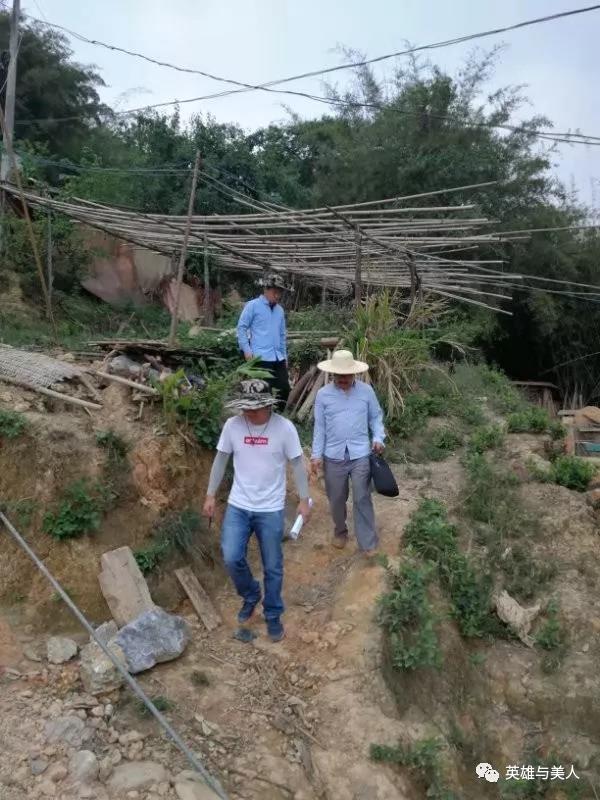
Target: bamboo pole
(126, 382)
(183, 254)
(50, 393)
(358, 269)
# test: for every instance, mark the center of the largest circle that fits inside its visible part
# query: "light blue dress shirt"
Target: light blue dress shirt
(261, 330)
(343, 421)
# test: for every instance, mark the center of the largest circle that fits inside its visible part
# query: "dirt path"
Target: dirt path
(292, 720)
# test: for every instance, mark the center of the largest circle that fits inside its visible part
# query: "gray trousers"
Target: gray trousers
(338, 475)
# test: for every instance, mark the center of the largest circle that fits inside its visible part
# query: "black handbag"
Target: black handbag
(383, 477)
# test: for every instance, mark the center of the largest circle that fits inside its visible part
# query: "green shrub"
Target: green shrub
(405, 614)
(79, 512)
(485, 438)
(422, 757)
(442, 443)
(531, 420)
(432, 536)
(557, 430)
(116, 447)
(12, 424)
(175, 531)
(550, 635)
(574, 473)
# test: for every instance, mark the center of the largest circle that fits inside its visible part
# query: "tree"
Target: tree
(51, 87)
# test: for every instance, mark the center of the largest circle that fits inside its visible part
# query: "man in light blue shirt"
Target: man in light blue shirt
(261, 333)
(348, 425)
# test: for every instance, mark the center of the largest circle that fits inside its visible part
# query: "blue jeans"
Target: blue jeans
(238, 526)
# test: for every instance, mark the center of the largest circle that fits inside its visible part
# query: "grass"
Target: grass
(531, 420)
(116, 447)
(175, 532)
(162, 703)
(551, 637)
(574, 473)
(199, 679)
(423, 758)
(12, 424)
(79, 511)
(485, 437)
(491, 500)
(442, 443)
(434, 538)
(406, 615)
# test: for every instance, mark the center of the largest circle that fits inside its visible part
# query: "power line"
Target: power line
(326, 70)
(570, 138)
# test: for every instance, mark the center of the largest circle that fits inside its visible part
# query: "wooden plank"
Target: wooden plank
(123, 586)
(199, 598)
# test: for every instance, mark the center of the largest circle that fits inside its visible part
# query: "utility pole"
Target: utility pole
(11, 88)
(183, 254)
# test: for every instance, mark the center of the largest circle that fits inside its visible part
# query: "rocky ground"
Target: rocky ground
(295, 720)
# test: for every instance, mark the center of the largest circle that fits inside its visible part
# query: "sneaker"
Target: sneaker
(247, 610)
(275, 630)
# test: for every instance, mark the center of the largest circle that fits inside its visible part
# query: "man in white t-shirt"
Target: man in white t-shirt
(262, 443)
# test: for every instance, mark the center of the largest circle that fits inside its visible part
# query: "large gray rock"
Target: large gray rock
(152, 638)
(60, 649)
(98, 673)
(68, 729)
(106, 631)
(136, 775)
(83, 767)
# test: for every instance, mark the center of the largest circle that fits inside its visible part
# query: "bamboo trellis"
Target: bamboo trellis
(394, 241)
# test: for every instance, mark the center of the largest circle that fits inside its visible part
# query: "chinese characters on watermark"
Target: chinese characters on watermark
(526, 772)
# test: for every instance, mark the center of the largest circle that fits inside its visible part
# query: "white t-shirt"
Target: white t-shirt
(260, 456)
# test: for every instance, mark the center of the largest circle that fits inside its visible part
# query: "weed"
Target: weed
(12, 424)
(56, 598)
(574, 473)
(557, 430)
(199, 678)
(525, 576)
(442, 443)
(550, 636)
(176, 531)
(79, 512)
(422, 757)
(23, 510)
(470, 412)
(486, 437)
(531, 420)
(405, 613)
(432, 536)
(477, 659)
(162, 703)
(115, 446)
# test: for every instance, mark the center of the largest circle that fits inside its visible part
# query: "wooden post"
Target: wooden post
(207, 300)
(183, 254)
(324, 295)
(50, 276)
(358, 270)
(413, 279)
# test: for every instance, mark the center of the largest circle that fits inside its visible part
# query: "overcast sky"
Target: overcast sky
(260, 40)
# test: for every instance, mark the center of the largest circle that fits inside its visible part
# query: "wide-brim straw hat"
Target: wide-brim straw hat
(342, 362)
(252, 395)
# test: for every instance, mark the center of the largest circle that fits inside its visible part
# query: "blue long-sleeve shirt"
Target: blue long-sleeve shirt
(261, 330)
(344, 420)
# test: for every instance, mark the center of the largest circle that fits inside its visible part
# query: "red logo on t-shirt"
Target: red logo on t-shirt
(256, 440)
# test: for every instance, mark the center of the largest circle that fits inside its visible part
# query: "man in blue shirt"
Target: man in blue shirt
(261, 333)
(347, 417)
